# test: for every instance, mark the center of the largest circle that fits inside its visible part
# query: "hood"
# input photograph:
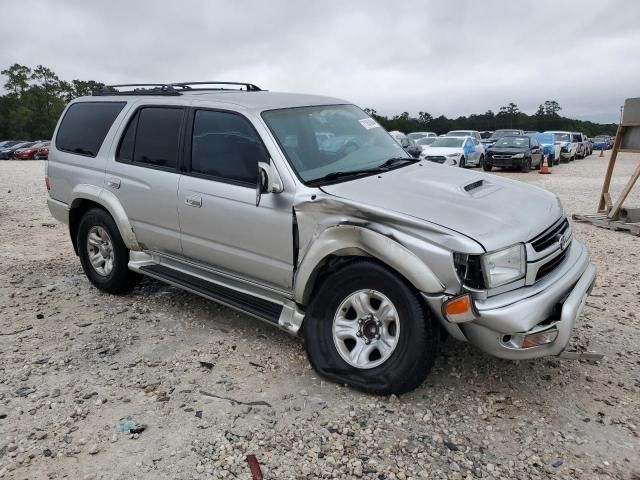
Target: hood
(442, 151)
(494, 211)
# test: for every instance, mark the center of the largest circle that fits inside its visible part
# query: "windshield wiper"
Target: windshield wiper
(338, 175)
(384, 167)
(394, 160)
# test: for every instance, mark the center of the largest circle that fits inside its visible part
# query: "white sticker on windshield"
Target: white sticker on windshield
(368, 123)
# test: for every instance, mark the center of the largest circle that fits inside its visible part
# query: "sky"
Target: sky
(448, 57)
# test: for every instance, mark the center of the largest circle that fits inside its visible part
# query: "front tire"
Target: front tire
(366, 327)
(103, 254)
(463, 163)
(486, 166)
(526, 165)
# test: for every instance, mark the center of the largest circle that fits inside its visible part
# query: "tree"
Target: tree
(35, 99)
(424, 118)
(551, 108)
(17, 78)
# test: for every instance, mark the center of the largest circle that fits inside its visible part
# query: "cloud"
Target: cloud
(447, 57)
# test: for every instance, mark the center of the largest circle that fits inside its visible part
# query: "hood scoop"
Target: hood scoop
(480, 188)
(473, 185)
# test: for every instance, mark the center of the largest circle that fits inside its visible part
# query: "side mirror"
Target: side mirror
(268, 181)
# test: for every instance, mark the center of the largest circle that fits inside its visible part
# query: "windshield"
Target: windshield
(562, 137)
(521, 142)
(332, 138)
(448, 142)
(426, 140)
(503, 133)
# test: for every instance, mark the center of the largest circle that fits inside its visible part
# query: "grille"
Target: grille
(549, 267)
(502, 157)
(550, 235)
(435, 159)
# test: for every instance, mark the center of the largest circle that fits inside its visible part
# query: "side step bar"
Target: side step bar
(258, 307)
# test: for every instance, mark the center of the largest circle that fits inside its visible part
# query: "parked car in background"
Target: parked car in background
(456, 151)
(42, 153)
(581, 144)
(486, 134)
(405, 142)
(549, 147)
(601, 143)
(567, 146)
(514, 152)
(415, 136)
(10, 143)
(488, 142)
(464, 133)
(7, 152)
(424, 142)
(29, 153)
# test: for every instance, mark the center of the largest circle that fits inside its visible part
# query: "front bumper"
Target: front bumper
(551, 304)
(506, 162)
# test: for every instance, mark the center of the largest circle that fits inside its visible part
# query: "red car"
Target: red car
(32, 152)
(42, 153)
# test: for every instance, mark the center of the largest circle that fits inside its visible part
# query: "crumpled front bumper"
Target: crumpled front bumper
(554, 303)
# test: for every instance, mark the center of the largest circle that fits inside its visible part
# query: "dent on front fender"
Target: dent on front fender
(420, 252)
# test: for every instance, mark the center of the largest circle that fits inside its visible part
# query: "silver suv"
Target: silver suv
(302, 211)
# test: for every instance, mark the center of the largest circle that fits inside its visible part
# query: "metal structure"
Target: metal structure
(611, 214)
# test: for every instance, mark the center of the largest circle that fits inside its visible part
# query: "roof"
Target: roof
(251, 100)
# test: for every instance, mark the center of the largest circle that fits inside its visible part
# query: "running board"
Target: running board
(258, 307)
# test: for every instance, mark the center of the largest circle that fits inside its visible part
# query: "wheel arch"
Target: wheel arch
(85, 197)
(340, 244)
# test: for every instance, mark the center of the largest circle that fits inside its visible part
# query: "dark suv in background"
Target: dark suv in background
(517, 152)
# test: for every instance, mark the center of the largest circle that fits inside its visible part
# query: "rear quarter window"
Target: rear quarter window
(85, 125)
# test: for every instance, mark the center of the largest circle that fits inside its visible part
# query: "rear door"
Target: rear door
(220, 223)
(144, 175)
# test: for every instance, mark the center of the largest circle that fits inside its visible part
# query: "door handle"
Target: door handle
(113, 182)
(193, 201)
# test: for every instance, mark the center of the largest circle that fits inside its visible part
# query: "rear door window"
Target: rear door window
(152, 138)
(85, 125)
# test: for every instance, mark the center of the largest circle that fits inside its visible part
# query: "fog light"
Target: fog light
(459, 309)
(537, 339)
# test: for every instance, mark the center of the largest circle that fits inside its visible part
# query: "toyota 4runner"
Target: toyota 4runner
(302, 211)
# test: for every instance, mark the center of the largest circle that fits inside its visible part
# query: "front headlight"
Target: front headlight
(518, 155)
(504, 266)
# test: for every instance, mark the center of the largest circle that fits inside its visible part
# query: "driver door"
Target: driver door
(220, 224)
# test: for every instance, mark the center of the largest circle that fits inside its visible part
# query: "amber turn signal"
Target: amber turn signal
(459, 309)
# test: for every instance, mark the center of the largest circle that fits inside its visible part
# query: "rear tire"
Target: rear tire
(336, 330)
(103, 254)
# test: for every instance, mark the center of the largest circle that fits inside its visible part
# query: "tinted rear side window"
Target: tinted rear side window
(153, 137)
(85, 125)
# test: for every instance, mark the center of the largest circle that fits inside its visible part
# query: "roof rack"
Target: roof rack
(170, 88)
(138, 89)
(249, 87)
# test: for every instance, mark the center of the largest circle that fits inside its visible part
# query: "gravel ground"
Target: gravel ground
(211, 385)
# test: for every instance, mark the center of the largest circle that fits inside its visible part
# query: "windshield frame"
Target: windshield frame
(313, 183)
